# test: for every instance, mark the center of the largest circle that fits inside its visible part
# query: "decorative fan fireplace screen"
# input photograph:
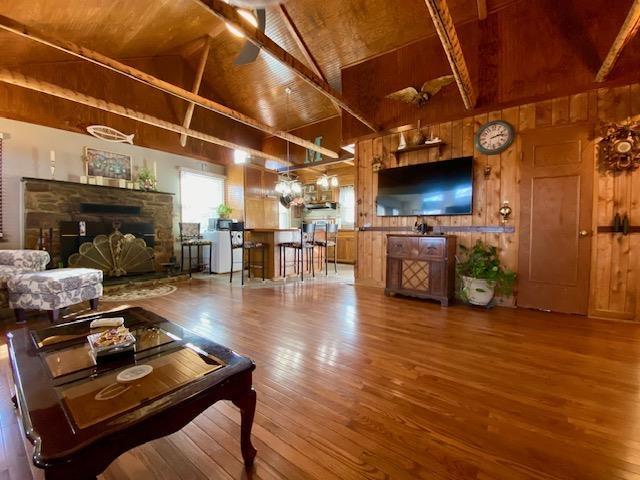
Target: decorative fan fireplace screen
(116, 255)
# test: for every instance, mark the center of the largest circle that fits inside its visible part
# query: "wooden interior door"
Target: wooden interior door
(555, 219)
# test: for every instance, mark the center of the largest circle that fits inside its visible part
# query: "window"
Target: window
(347, 204)
(200, 195)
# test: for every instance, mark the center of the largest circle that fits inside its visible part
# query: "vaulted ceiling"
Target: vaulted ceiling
(373, 46)
(338, 33)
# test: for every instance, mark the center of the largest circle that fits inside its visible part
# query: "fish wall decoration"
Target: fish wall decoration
(109, 134)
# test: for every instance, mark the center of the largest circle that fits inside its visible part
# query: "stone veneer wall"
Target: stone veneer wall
(49, 202)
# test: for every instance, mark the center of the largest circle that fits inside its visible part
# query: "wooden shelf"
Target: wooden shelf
(609, 229)
(422, 146)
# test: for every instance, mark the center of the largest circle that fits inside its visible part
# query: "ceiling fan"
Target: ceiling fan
(250, 51)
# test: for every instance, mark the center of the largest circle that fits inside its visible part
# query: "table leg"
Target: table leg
(247, 406)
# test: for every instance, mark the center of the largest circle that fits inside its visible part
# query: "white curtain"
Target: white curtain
(347, 204)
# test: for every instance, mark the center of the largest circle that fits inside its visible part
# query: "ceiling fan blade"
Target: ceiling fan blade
(250, 52)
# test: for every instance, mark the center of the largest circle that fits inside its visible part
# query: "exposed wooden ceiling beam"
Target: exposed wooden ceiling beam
(446, 30)
(20, 80)
(149, 80)
(229, 14)
(314, 165)
(482, 9)
(303, 47)
(629, 29)
(188, 116)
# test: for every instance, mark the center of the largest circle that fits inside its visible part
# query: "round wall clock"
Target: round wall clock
(494, 137)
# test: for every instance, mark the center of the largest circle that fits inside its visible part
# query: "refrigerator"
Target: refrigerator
(221, 252)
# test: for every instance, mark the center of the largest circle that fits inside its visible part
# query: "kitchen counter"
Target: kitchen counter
(271, 238)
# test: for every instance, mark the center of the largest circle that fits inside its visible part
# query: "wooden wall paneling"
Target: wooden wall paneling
(527, 117)
(479, 192)
(234, 190)
(632, 304)
(611, 293)
(579, 107)
(509, 188)
(492, 189)
(544, 113)
(614, 269)
(390, 143)
(560, 111)
(377, 242)
(620, 249)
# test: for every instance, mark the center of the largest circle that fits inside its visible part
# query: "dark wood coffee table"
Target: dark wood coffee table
(67, 404)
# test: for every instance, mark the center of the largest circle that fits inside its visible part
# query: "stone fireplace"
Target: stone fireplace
(77, 213)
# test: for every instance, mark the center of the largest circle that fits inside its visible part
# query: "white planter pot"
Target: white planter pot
(478, 291)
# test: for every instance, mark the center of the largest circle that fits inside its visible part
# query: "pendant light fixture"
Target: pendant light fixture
(287, 186)
(328, 181)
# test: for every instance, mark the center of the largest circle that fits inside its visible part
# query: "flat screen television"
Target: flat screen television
(439, 188)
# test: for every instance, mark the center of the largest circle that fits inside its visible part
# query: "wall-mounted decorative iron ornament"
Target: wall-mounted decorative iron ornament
(619, 149)
(505, 211)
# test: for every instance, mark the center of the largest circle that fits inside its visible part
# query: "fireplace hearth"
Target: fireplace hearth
(79, 213)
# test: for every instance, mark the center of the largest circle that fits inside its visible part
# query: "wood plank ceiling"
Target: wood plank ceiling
(338, 33)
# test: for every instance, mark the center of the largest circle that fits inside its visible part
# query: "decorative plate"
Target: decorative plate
(134, 373)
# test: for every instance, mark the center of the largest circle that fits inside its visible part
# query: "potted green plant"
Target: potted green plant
(146, 179)
(224, 210)
(481, 275)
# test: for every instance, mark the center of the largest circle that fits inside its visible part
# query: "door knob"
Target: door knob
(583, 233)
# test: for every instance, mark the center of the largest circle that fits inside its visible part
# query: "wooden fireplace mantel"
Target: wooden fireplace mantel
(64, 182)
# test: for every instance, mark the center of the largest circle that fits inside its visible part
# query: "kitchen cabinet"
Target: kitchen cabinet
(261, 199)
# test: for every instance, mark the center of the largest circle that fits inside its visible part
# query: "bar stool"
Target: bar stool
(190, 237)
(237, 236)
(306, 243)
(330, 241)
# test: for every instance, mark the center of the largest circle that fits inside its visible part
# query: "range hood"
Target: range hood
(321, 205)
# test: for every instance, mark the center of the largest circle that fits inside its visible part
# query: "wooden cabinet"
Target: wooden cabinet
(346, 246)
(421, 266)
(261, 199)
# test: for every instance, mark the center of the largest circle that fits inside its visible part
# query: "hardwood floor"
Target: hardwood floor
(354, 385)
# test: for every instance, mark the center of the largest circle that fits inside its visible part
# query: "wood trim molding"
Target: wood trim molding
(188, 116)
(482, 9)
(17, 79)
(446, 30)
(154, 82)
(446, 229)
(627, 32)
(229, 14)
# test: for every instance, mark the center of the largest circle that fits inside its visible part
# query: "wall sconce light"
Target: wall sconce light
(505, 211)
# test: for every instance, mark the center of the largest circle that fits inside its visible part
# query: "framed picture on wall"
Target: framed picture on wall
(100, 163)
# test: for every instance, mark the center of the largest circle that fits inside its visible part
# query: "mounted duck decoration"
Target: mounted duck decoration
(109, 134)
(428, 90)
(619, 149)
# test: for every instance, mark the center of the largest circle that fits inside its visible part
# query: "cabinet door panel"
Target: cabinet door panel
(432, 247)
(403, 247)
(270, 213)
(254, 212)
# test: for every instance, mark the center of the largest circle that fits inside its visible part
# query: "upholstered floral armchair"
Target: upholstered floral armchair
(13, 262)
